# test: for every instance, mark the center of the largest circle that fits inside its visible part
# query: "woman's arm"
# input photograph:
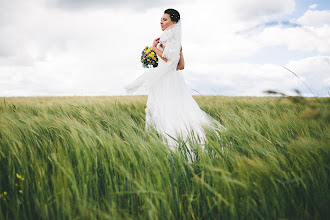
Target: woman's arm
(159, 53)
(181, 62)
(180, 65)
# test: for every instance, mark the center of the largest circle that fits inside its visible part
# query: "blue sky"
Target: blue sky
(58, 47)
(303, 5)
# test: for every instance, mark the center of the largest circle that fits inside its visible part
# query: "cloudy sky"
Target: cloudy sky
(231, 47)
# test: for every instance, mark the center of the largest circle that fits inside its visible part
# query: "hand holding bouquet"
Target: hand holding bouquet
(149, 58)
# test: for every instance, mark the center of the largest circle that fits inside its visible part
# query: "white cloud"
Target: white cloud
(141, 5)
(240, 79)
(315, 18)
(314, 71)
(247, 79)
(262, 9)
(299, 38)
(313, 6)
(95, 50)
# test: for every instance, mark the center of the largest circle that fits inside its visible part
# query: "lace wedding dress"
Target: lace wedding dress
(171, 109)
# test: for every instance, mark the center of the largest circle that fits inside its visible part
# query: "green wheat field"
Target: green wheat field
(90, 158)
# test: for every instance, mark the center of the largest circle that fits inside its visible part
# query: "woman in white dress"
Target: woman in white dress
(171, 109)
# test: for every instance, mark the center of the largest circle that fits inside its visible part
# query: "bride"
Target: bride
(171, 109)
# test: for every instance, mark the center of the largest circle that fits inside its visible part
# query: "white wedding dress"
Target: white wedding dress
(171, 109)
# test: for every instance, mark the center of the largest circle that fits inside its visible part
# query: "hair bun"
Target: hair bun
(174, 14)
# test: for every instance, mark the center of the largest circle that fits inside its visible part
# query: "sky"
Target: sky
(230, 47)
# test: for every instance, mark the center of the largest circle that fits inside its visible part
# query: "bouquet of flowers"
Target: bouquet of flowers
(149, 58)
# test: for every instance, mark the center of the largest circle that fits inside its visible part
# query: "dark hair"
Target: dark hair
(174, 14)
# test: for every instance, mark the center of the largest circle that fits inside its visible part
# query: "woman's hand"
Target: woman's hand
(156, 41)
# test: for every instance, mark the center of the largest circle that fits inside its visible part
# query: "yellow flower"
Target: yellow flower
(5, 193)
(19, 177)
(147, 59)
(20, 191)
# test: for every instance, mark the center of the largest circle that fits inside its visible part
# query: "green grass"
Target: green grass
(90, 158)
